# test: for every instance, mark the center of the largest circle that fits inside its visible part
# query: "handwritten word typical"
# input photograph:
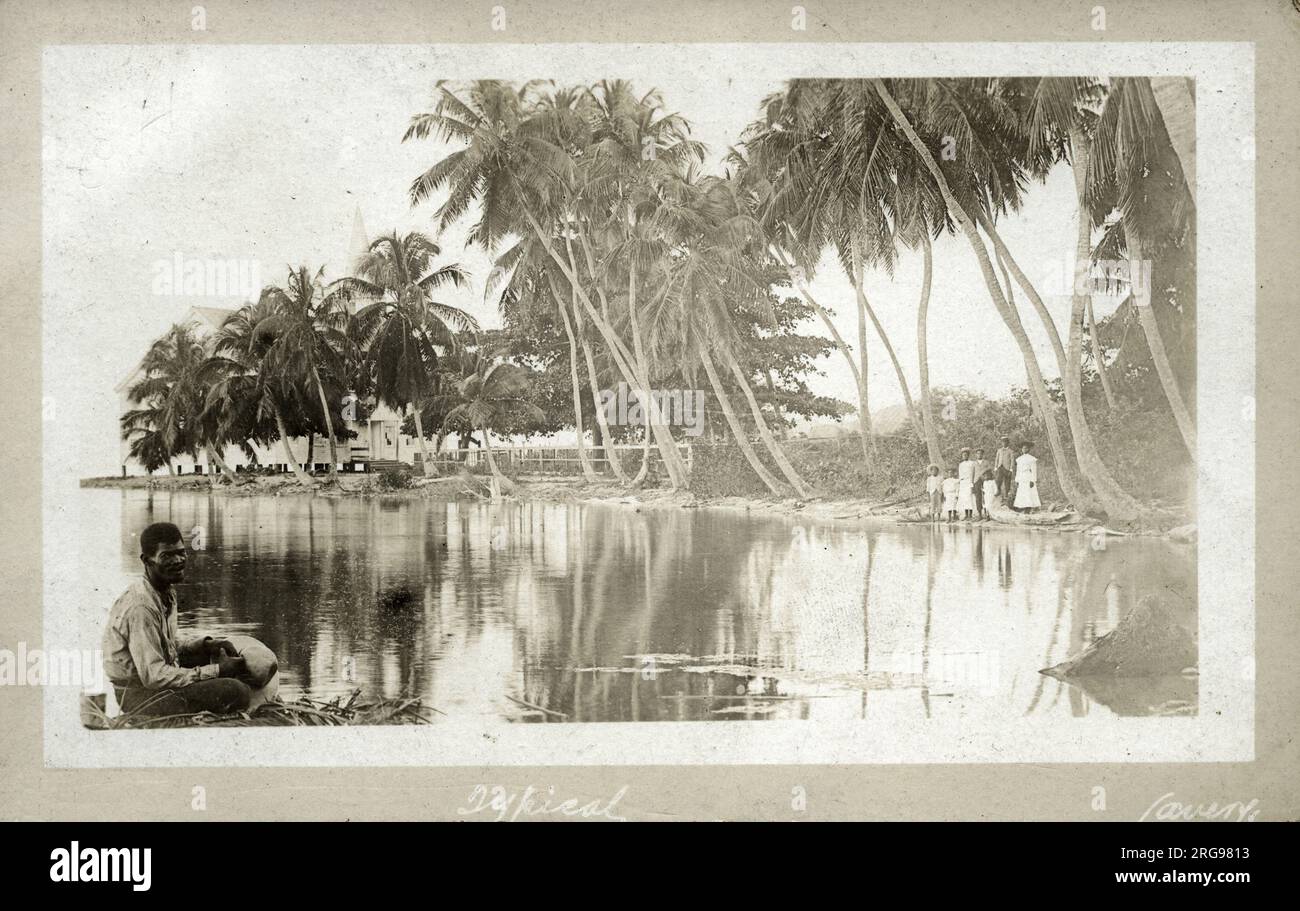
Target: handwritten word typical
(510, 805)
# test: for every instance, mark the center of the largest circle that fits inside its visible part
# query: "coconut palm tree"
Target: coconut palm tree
(636, 155)
(309, 326)
(491, 392)
(1058, 119)
(688, 313)
(516, 163)
(853, 202)
(1136, 171)
(530, 281)
(712, 266)
(780, 163)
(402, 329)
(839, 180)
(140, 427)
(994, 174)
(241, 370)
(172, 387)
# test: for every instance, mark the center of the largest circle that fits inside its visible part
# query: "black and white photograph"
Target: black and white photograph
(606, 411)
(387, 394)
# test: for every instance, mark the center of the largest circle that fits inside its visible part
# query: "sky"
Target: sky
(263, 154)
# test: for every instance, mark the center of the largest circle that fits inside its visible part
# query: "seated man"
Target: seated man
(153, 671)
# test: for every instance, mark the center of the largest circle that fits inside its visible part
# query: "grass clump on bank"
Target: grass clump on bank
(303, 712)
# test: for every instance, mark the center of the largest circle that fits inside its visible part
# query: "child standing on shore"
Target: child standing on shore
(950, 488)
(934, 492)
(990, 491)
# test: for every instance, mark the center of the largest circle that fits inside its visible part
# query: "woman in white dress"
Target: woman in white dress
(966, 484)
(1027, 479)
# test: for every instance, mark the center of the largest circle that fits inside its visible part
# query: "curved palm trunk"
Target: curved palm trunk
(802, 287)
(329, 426)
(298, 473)
(619, 353)
(764, 433)
(214, 457)
(864, 411)
(1114, 499)
(491, 459)
(430, 469)
(588, 473)
(864, 306)
(645, 450)
(1177, 102)
(1036, 385)
(677, 473)
(923, 355)
(1100, 357)
(602, 420)
(642, 364)
(1168, 382)
(171, 469)
(1006, 261)
(1044, 409)
(737, 430)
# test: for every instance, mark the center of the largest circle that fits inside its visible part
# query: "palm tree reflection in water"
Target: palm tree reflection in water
(527, 611)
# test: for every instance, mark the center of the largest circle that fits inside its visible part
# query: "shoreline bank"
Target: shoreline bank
(465, 486)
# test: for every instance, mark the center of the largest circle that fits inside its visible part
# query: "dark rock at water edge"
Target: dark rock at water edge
(1157, 638)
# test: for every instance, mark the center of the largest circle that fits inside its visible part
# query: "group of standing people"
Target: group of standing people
(976, 482)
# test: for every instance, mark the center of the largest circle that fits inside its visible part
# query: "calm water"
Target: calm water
(553, 612)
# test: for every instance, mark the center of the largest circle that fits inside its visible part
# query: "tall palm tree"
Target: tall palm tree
(780, 162)
(491, 392)
(997, 175)
(1058, 120)
(838, 179)
(637, 153)
(310, 341)
(534, 283)
(1136, 171)
(923, 355)
(712, 267)
(241, 370)
(402, 329)
(516, 162)
(856, 204)
(172, 386)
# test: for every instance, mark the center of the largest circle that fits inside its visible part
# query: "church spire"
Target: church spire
(359, 244)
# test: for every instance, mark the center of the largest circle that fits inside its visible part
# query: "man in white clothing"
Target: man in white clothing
(1027, 480)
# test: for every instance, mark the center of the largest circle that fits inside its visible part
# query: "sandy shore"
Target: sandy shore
(573, 490)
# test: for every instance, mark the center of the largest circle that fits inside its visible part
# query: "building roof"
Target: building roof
(207, 319)
(211, 317)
